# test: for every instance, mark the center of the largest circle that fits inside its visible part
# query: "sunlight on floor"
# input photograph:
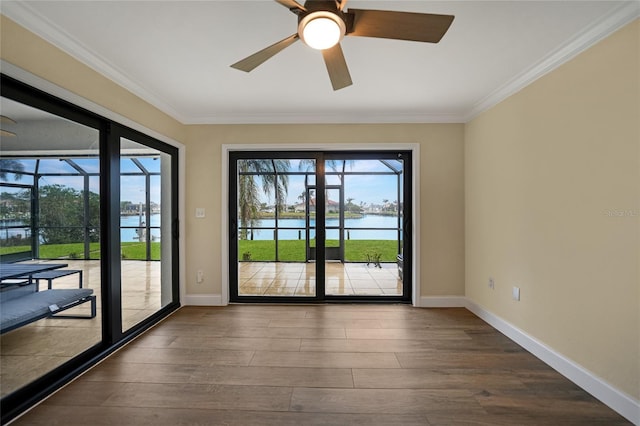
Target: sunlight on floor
(299, 279)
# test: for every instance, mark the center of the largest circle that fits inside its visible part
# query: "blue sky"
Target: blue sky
(369, 189)
(132, 187)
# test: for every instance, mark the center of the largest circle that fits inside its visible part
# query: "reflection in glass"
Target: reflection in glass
(276, 215)
(16, 229)
(145, 217)
(363, 227)
(49, 215)
(276, 247)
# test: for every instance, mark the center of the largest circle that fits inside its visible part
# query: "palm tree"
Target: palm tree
(274, 179)
(14, 166)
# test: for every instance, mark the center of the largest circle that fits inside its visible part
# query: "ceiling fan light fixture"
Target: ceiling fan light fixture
(321, 30)
(7, 121)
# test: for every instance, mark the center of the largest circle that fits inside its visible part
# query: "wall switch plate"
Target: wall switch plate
(516, 293)
(492, 283)
(199, 212)
(199, 276)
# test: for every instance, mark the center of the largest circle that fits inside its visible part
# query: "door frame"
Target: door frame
(334, 148)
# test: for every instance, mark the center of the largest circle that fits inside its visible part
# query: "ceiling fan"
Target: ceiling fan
(323, 23)
(4, 120)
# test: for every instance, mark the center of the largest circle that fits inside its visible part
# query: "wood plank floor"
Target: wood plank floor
(322, 365)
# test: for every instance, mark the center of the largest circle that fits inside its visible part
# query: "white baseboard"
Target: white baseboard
(203, 300)
(619, 401)
(442, 302)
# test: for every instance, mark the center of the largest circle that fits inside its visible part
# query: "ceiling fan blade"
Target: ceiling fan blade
(423, 27)
(7, 120)
(292, 5)
(337, 67)
(250, 62)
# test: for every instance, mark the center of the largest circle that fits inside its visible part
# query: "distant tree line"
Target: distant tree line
(62, 214)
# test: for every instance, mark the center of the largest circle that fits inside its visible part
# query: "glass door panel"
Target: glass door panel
(49, 218)
(16, 236)
(364, 232)
(274, 243)
(145, 231)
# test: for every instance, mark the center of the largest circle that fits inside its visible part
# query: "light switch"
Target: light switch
(199, 212)
(515, 293)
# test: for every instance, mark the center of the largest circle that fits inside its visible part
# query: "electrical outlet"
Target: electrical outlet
(199, 276)
(492, 283)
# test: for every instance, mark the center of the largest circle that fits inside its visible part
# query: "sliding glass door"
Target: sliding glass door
(147, 213)
(50, 204)
(88, 240)
(319, 226)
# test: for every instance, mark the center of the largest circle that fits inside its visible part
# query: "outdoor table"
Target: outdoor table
(14, 270)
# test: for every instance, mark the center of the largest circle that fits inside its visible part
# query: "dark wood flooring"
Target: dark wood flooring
(322, 365)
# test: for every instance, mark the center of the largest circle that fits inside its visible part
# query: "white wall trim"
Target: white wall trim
(204, 300)
(615, 20)
(619, 401)
(29, 18)
(224, 215)
(443, 302)
(415, 155)
(416, 289)
(294, 117)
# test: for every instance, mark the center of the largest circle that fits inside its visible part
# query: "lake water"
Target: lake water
(126, 234)
(130, 234)
(297, 232)
(367, 221)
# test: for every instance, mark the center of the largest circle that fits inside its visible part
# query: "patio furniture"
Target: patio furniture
(52, 275)
(21, 303)
(16, 270)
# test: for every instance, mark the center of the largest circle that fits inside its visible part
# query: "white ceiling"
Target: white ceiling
(176, 55)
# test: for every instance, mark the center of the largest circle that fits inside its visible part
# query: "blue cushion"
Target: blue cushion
(12, 290)
(38, 304)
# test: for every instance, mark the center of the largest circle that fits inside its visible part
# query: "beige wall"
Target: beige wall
(441, 171)
(552, 183)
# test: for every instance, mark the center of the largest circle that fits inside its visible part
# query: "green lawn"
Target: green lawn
(288, 250)
(131, 250)
(294, 250)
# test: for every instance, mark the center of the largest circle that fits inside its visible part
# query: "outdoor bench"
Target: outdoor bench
(22, 304)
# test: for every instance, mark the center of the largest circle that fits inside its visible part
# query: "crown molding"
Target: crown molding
(26, 16)
(327, 118)
(601, 29)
